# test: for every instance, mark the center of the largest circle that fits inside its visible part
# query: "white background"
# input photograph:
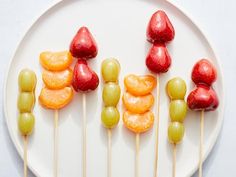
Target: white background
(215, 17)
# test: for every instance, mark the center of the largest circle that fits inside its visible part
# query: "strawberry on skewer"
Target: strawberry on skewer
(159, 32)
(84, 47)
(203, 97)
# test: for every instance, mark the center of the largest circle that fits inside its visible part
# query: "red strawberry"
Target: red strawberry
(160, 28)
(203, 98)
(83, 45)
(158, 59)
(204, 72)
(84, 79)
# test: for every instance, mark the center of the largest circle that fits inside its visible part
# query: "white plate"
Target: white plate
(119, 28)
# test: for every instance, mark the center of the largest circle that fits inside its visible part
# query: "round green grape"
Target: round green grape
(26, 123)
(176, 88)
(110, 117)
(111, 94)
(27, 80)
(110, 70)
(26, 101)
(177, 110)
(175, 132)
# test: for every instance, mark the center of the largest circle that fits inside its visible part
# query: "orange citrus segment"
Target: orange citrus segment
(56, 61)
(139, 85)
(55, 99)
(138, 123)
(57, 79)
(138, 104)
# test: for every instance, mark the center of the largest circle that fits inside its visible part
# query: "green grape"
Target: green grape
(27, 80)
(26, 123)
(111, 94)
(110, 70)
(26, 101)
(175, 132)
(176, 88)
(110, 117)
(178, 110)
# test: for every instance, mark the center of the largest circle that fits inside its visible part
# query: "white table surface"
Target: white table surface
(215, 17)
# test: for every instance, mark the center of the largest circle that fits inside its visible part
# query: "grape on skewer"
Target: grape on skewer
(110, 115)
(27, 82)
(176, 89)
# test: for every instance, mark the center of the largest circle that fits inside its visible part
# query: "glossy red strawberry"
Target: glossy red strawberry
(204, 72)
(158, 59)
(160, 28)
(84, 79)
(203, 98)
(83, 45)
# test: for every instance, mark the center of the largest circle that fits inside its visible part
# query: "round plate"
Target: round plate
(119, 28)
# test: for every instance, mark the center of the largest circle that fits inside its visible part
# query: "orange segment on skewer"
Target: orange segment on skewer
(56, 61)
(55, 99)
(138, 104)
(57, 79)
(138, 123)
(139, 85)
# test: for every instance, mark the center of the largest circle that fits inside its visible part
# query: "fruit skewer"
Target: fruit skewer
(57, 93)
(159, 31)
(176, 90)
(84, 47)
(138, 100)
(203, 98)
(27, 82)
(111, 95)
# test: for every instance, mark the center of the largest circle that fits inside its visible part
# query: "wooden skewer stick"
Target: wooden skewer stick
(25, 139)
(157, 128)
(201, 143)
(174, 161)
(84, 134)
(109, 153)
(56, 143)
(137, 156)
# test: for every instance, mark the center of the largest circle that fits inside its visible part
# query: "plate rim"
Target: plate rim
(171, 3)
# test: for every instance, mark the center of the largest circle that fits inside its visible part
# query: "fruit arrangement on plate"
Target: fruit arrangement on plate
(61, 81)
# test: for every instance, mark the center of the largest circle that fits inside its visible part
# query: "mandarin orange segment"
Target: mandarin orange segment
(56, 61)
(139, 85)
(138, 123)
(57, 79)
(137, 104)
(55, 99)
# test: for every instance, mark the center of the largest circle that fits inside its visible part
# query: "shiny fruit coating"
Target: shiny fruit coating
(203, 98)
(55, 99)
(56, 61)
(178, 110)
(26, 101)
(138, 123)
(111, 94)
(139, 85)
(175, 132)
(110, 70)
(160, 28)
(138, 104)
(26, 123)
(57, 79)
(84, 78)
(110, 117)
(27, 80)
(204, 72)
(83, 45)
(176, 88)
(158, 59)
